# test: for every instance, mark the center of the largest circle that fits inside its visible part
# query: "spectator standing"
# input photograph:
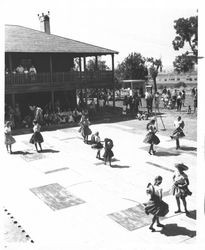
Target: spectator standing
(178, 132)
(32, 73)
(183, 97)
(195, 100)
(179, 101)
(156, 100)
(20, 69)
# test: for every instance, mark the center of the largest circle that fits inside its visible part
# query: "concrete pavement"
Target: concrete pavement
(65, 198)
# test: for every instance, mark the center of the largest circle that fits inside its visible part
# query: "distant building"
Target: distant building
(173, 78)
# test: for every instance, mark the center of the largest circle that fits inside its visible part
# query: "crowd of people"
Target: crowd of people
(26, 72)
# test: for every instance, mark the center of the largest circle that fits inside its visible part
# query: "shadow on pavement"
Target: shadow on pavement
(163, 153)
(192, 214)
(49, 151)
(21, 153)
(119, 166)
(174, 230)
(188, 148)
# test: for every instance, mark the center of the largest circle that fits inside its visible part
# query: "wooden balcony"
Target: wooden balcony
(25, 83)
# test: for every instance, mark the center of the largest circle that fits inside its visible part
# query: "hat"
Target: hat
(181, 166)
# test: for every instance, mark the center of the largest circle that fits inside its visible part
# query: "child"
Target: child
(36, 137)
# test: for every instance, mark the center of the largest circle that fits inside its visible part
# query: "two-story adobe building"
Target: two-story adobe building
(53, 58)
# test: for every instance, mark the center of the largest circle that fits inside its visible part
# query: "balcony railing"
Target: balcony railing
(58, 77)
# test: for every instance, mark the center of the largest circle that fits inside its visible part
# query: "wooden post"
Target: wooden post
(113, 79)
(51, 67)
(13, 100)
(96, 63)
(10, 63)
(85, 72)
(52, 100)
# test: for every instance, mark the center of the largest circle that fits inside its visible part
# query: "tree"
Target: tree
(101, 65)
(91, 65)
(155, 66)
(132, 67)
(187, 32)
(183, 63)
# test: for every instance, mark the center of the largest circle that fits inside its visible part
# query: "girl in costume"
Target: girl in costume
(9, 140)
(156, 206)
(151, 138)
(36, 138)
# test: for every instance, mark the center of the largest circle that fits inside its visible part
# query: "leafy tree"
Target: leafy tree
(101, 65)
(132, 67)
(183, 63)
(187, 32)
(155, 66)
(91, 65)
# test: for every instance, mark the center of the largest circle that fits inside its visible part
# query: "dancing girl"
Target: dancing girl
(151, 137)
(156, 206)
(108, 154)
(36, 138)
(180, 188)
(9, 139)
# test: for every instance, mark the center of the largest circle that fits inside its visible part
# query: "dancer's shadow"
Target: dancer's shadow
(50, 151)
(188, 148)
(21, 153)
(166, 153)
(192, 214)
(174, 230)
(120, 166)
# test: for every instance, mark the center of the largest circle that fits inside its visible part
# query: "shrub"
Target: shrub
(180, 84)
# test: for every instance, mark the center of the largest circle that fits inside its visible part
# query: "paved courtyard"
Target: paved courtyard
(65, 198)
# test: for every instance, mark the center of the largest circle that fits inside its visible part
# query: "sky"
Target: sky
(124, 26)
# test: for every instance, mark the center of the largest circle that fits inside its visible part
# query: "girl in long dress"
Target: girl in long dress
(97, 144)
(151, 137)
(108, 151)
(84, 129)
(180, 188)
(156, 206)
(9, 139)
(178, 132)
(36, 138)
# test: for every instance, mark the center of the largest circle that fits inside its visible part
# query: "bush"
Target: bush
(160, 86)
(180, 84)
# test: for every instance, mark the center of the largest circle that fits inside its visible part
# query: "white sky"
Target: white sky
(124, 25)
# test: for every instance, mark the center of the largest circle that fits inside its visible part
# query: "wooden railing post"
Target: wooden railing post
(113, 79)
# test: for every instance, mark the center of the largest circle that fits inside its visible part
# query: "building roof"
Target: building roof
(26, 40)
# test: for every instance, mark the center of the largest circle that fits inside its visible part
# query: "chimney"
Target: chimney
(45, 22)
